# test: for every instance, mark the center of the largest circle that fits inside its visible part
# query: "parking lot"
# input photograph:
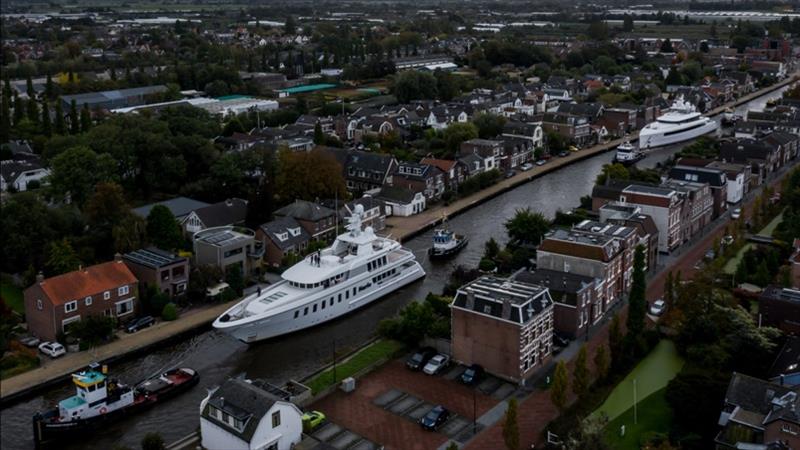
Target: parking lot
(387, 404)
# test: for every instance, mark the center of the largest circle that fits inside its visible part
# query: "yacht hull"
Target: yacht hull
(660, 138)
(337, 303)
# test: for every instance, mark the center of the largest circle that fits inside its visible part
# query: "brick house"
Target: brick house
(780, 308)
(664, 205)
(282, 236)
(506, 326)
(757, 413)
(52, 304)
(716, 179)
(318, 221)
(416, 177)
(455, 171)
(596, 256)
(168, 272)
(574, 298)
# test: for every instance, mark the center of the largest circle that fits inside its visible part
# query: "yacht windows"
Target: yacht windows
(296, 314)
(315, 308)
(346, 294)
(322, 305)
(331, 302)
(340, 297)
(305, 311)
(683, 130)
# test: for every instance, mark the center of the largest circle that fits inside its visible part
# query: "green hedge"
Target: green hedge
(377, 351)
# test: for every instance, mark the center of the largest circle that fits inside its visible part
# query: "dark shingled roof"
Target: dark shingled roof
(305, 210)
(788, 360)
(753, 394)
(505, 299)
(228, 212)
(396, 194)
(179, 206)
(557, 282)
(247, 401)
(284, 225)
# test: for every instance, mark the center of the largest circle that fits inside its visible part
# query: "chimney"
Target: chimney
(118, 257)
(470, 300)
(506, 313)
(40, 277)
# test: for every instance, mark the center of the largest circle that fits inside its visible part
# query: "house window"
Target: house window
(70, 306)
(276, 419)
(106, 295)
(273, 446)
(39, 304)
(124, 307)
(88, 301)
(123, 290)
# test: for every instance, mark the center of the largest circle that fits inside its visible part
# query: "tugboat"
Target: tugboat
(446, 243)
(100, 399)
(627, 154)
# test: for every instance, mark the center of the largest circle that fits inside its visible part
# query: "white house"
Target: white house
(17, 174)
(243, 415)
(402, 202)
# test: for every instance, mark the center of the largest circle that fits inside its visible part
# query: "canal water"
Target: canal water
(218, 357)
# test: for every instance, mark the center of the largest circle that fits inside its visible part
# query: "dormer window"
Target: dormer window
(294, 231)
(282, 236)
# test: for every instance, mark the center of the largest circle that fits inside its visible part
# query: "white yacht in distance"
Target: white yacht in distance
(358, 268)
(681, 123)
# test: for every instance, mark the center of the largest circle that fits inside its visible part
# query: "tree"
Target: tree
(489, 125)
(491, 249)
(5, 120)
(456, 133)
(290, 26)
(601, 362)
(580, 374)
(558, 390)
(153, 441)
(319, 136)
(60, 125)
(413, 85)
(163, 230)
(612, 172)
(615, 338)
(309, 176)
(170, 312)
(511, 426)
(86, 118)
(597, 31)
(33, 111)
(29, 87)
(47, 126)
(527, 227)
(674, 77)
(49, 90)
(75, 171)
(627, 23)
(447, 85)
(129, 234)
(637, 301)
(74, 124)
(666, 46)
(61, 258)
(235, 278)
(19, 109)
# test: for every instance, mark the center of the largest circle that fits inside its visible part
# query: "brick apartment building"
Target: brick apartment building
(664, 205)
(169, 273)
(52, 304)
(504, 325)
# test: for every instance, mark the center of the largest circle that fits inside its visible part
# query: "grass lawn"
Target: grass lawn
(653, 415)
(651, 374)
(770, 228)
(12, 295)
(377, 351)
(730, 266)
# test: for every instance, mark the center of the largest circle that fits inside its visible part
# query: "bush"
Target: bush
(486, 265)
(153, 441)
(93, 330)
(170, 312)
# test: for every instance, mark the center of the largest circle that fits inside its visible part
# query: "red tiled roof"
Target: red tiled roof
(443, 164)
(88, 281)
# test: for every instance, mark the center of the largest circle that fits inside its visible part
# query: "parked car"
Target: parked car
(658, 307)
(436, 364)
(510, 173)
(710, 255)
(526, 167)
(139, 324)
(726, 240)
(573, 148)
(736, 213)
(472, 375)
(435, 418)
(52, 349)
(30, 341)
(563, 153)
(418, 360)
(312, 420)
(541, 162)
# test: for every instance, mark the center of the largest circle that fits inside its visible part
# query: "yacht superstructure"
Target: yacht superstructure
(682, 123)
(357, 269)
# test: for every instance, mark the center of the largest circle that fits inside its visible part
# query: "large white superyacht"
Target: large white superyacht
(357, 269)
(682, 123)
